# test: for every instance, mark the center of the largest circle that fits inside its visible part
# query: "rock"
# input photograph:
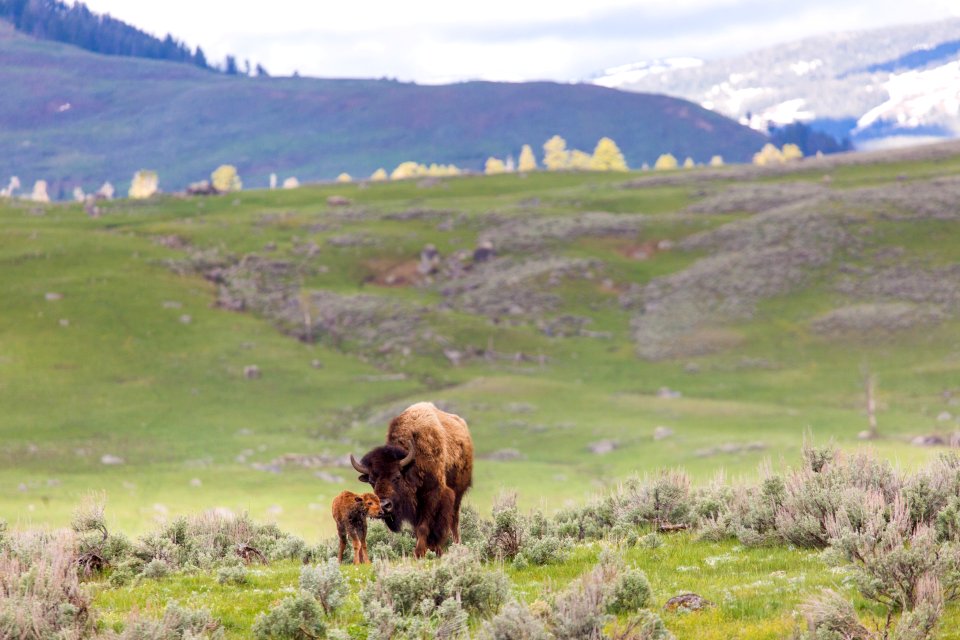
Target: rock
(172, 304)
(196, 482)
(186, 319)
(453, 356)
(668, 393)
(291, 183)
(519, 407)
(930, 440)
(944, 416)
(328, 477)
(109, 459)
(602, 447)
(52, 296)
(483, 252)
(339, 201)
(316, 364)
(251, 372)
(64, 322)
(687, 602)
(504, 455)
(865, 435)
(662, 433)
(429, 260)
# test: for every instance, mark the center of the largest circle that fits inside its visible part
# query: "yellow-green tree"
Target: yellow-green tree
(408, 169)
(665, 161)
(379, 174)
(555, 154)
(716, 161)
(145, 184)
(791, 152)
(225, 178)
(607, 156)
(689, 163)
(494, 166)
(580, 160)
(769, 154)
(527, 161)
(344, 177)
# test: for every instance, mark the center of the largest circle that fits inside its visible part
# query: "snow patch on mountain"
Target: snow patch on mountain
(616, 77)
(917, 98)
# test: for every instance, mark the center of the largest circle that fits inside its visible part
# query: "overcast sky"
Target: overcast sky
(444, 40)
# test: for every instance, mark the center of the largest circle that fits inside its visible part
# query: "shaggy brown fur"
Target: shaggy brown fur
(350, 511)
(427, 489)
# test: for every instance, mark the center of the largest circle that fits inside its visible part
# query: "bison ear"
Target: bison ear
(363, 477)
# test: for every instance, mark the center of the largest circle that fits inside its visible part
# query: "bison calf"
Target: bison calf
(350, 512)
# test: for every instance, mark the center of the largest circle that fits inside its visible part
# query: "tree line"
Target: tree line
(77, 25)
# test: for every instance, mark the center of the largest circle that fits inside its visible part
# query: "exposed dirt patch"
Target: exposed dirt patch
(385, 272)
(641, 251)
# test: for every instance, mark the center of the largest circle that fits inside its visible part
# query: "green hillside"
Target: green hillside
(703, 319)
(75, 118)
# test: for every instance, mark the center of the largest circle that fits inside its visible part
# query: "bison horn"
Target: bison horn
(356, 465)
(410, 456)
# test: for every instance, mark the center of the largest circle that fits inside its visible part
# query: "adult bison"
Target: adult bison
(421, 474)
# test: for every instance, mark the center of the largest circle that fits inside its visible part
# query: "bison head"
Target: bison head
(390, 471)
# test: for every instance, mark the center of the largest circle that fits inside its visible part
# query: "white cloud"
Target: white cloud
(436, 40)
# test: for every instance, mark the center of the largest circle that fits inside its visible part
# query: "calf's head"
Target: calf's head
(371, 504)
(388, 470)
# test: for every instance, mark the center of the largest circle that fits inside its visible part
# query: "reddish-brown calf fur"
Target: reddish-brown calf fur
(350, 511)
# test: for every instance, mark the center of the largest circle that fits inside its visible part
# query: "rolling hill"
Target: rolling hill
(76, 118)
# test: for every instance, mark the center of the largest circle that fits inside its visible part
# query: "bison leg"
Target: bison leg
(364, 556)
(455, 518)
(343, 546)
(357, 551)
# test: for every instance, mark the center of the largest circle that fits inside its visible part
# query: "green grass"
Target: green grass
(755, 591)
(111, 368)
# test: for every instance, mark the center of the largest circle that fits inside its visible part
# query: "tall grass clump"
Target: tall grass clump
(177, 623)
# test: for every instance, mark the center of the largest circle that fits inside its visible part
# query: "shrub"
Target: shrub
(210, 539)
(325, 583)
(40, 591)
(405, 590)
(389, 546)
(752, 512)
(814, 497)
(580, 611)
(514, 622)
(508, 531)
(651, 541)
(630, 593)
(297, 617)
(590, 522)
(660, 500)
(232, 574)
(545, 550)
(177, 623)
(156, 569)
(644, 625)
(829, 616)
(888, 555)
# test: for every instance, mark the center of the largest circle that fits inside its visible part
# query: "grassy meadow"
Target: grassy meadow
(121, 376)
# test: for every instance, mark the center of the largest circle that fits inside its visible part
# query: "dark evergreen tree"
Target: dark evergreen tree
(76, 25)
(261, 71)
(230, 66)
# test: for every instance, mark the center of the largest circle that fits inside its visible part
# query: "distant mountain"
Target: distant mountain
(867, 85)
(76, 119)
